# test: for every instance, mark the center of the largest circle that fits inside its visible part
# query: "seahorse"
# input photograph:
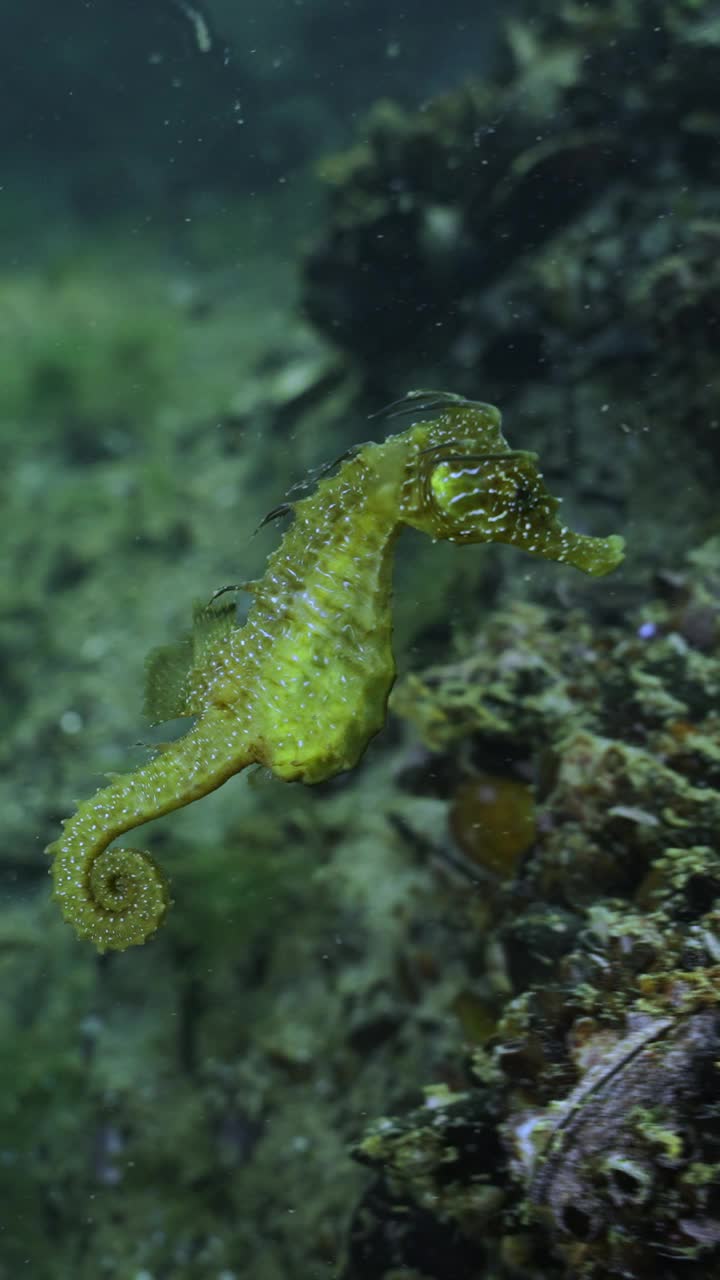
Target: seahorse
(303, 685)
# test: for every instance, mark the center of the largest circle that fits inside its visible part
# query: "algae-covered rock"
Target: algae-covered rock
(598, 1074)
(550, 229)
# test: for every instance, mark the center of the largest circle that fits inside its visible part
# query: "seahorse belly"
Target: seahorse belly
(324, 695)
(327, 678)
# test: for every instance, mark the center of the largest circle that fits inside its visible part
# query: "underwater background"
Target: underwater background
(452, 1014)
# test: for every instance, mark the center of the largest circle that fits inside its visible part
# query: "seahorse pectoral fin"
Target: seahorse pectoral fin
(212, 624)
(177, 675)
(166, 670)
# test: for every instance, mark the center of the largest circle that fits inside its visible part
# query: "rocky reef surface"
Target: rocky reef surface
(579, 1137)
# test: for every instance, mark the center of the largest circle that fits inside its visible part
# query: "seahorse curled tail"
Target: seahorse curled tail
(118, 897)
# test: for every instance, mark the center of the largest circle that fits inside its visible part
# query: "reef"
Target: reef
(550, 231)
(580, 1135)
(435, 207)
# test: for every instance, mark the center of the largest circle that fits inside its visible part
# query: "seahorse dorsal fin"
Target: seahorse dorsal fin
(177, 675)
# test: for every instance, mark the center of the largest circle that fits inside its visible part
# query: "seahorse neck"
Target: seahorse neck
(341, 535)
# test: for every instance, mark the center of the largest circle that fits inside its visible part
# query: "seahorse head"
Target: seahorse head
(468, 485)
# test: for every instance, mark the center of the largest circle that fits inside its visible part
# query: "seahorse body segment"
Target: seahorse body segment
(303, 685)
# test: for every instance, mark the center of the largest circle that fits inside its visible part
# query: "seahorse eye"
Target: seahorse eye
(490, 498)
(446, 487)
(472, 490)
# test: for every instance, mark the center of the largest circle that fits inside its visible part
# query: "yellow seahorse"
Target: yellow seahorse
(303, 686)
